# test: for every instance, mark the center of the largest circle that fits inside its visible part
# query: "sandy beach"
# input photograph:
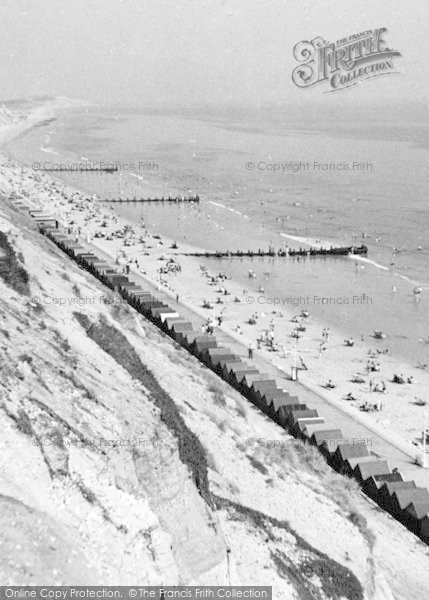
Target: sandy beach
(265, 324)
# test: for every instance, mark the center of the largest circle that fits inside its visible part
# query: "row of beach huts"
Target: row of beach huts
(403, 499)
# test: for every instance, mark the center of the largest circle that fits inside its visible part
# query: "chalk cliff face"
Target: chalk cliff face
(138, 471)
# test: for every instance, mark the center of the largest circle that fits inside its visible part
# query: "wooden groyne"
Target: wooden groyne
(404, 500)
(332, 251)
(174, 199)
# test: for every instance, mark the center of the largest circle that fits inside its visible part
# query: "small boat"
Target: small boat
(379, 335)
(305, 314)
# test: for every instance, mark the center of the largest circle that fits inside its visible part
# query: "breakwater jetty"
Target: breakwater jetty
(403, 499)
(175, 199)
(282, 252)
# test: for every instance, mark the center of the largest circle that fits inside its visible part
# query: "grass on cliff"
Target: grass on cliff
(11, 270)
(114, 342)
(309, 563)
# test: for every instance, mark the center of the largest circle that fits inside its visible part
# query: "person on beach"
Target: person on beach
(371, 385)
(250, 351)
(177, 298)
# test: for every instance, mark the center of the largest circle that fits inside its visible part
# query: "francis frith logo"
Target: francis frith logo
(343, 63)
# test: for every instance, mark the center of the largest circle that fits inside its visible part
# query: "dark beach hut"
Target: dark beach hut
(365, 470)
(372, 485)
(312, 428)
(159, 313)
(299, 427)
(303, 413)
(415, 514)
(226, 362)
(140, 295)
(216, 360)
(346, 451)
(386, 491)
(424, 528)
(138, 298)
(261, 387)
(168, 322)
(101, 266)
(213, 356)
(45, 222)
(180, 329)
(237, 375)
(189, 337)
(229, 366)
(248, 380)
(284, 412)
(202, 343)
(327, 440)
(400, 499)
(272, 399)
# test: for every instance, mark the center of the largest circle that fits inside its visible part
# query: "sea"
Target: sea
(270, 180)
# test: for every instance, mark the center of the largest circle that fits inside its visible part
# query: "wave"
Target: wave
(217, 204)
(369, 261)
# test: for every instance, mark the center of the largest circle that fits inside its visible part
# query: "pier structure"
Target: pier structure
(282, 252)
(174, 199)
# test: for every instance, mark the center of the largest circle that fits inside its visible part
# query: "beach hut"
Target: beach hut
(213, 356)
(311, 428)
(386, 491)
(295, 415)
(284, 412)
(46, 222)
(346, 451)
(273, 399)
(400, 499)
(226, 362)
(237, 375)
(215, 360)
(202, 343)
(365, 470)
(372, 485)
(424, 528)
(229, 366)
(415, 514)
(138, 298)
(160, 313)
(327, 440)
(180, 329)
(249, 378)
(168, 321)
(299, 427)
(261, 387)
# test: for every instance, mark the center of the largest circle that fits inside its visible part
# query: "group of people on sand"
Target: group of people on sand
(401, 379)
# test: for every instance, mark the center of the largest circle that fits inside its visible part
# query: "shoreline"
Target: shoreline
(395, 418)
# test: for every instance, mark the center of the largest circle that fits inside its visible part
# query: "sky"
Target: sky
(199, 52)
